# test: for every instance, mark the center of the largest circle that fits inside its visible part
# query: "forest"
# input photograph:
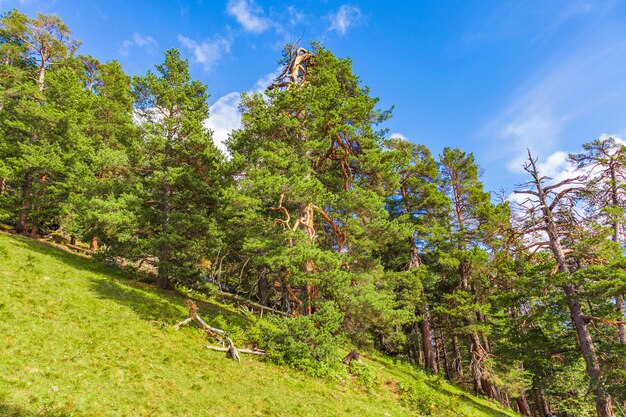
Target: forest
(344, 234)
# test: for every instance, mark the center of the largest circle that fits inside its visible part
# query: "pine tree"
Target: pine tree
(311, 180)
(102, 196)
(30, 46)
(471, 212)
(181, 170)
(420, 204)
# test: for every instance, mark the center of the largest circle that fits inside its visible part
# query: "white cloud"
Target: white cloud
(207, 53)
(141, 41)
(346, 17)
(224, 117)
(248, 16)
(262, 83)
(398, 135)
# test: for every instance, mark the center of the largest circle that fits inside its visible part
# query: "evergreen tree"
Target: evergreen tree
(38, 140)
(181, 170)
(420, 204)
(100, 207)
(312, 179)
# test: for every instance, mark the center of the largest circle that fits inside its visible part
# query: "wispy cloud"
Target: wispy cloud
(207, 53)
(249, 16)
(295, 16)
(138, 40)
(345, 18)
(585, 78)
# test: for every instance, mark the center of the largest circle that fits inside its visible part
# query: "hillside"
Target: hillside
(78, 338)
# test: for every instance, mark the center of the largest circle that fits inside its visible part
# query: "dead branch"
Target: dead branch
(282, 210)
(211, 331)
(248, 351)
(249, 303)
(339, 235)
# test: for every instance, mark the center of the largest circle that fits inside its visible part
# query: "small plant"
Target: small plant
(417, 396)
(366, 376)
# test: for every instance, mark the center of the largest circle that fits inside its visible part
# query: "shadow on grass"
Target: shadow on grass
(464, 397)
(146, 300)
(76, 261)
(420, 376)
(10, 410)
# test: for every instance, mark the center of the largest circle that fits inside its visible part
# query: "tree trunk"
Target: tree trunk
(94, 243)
(21, 224)
(42, 74)
(263, 287)
(34, 232)
(604, 404)
(522, 405)
(441, 353)
(621, 328)
(305, 223)
(457, 362)
(163, 272)
(543, 407)
(430, 359)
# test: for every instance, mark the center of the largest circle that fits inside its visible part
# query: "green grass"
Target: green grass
(78, 338)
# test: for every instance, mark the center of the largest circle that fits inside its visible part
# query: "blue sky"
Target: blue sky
(490, 77)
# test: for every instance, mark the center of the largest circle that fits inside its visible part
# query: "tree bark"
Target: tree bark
(163, 271)
(441, 353)
(305, 223)
(430, 359)
(621, 328)
(263, 287)
(457, 362)
(22, 220)
(34, 231)
(522, 405)
(94, 243)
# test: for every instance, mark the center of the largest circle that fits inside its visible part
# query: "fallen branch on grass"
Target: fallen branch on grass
(219, 334)
(249, 351)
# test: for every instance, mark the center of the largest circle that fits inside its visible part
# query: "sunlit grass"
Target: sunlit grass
(78, 338)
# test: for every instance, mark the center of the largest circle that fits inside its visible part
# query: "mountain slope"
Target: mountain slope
(78, 338)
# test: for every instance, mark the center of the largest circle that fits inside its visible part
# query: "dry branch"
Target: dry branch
(211, 331)
(248, 351)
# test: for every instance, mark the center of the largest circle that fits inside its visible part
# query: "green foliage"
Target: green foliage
(307, 343)
(365, 375)
(416, 395)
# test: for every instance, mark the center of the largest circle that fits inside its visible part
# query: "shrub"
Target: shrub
(417, 396)
(306, 343)
(365, 375)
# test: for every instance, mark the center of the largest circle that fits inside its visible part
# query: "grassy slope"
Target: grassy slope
(78, 338)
